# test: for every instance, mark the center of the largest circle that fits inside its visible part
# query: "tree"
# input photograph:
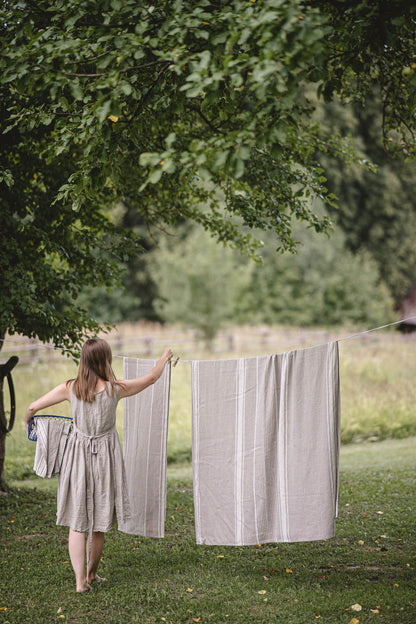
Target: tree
(323, 284)
(48, 254)
(176, 105)
(375, 210)
(132, 300)
(371, 47)
(199, 282)
(205, 286)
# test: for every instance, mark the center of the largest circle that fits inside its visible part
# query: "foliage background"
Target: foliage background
(236, 116)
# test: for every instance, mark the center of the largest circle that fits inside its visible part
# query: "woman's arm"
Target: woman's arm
(128, 387)
(57, 395)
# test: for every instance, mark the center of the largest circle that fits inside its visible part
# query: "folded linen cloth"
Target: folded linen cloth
(266, 447)
(52, 434)
(145, 433)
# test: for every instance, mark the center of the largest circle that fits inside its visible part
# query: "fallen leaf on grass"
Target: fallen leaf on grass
(375, 610)
(361, 542)
(189, 590)
(196, 619)
(356, 607)
(262, 592)
(289, 571)
(355, 621)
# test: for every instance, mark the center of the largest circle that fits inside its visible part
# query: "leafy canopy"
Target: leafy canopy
(375, 212)
(175, 108)
(172, 103)
(49, 254)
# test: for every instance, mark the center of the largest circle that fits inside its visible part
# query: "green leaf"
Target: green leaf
(149, 159)
(126, 88)
(103, 111)
(76, 91)
(155, 176)
(6, 176)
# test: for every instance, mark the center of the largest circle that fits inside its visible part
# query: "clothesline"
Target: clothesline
(366, 331)
(356, 335)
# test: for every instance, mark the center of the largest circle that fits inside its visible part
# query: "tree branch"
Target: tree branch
(206, 120)
(123, 71)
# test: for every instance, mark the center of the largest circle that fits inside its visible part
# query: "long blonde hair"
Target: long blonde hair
(95, 364)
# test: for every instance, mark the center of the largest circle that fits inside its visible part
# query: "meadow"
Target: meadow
(377, 376)
(364, 575)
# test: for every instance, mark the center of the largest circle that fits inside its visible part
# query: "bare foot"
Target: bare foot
(97, 579)
(85, 588)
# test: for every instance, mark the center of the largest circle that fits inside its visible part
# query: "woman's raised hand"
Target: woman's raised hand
(167, 355)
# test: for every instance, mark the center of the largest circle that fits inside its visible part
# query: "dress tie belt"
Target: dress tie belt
(92, 441)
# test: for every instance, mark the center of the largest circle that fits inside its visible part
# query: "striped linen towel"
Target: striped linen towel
(145, 433)
(51, 438)
(266, 447)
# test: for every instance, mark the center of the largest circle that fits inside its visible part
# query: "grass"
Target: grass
(378, 392)
(370, 562)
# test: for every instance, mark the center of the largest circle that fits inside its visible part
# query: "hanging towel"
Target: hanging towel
(145, 433)
(52, 434)
(266, 447)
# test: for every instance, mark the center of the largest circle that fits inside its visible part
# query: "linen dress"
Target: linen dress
(92, 487)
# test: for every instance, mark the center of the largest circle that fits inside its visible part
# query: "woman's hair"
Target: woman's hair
(95, 364)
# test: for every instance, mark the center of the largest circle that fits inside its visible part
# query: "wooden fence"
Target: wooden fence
(148, 340)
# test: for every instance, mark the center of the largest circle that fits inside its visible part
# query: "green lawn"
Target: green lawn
(371, 561)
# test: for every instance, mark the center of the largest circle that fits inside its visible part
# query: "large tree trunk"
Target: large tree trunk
(5, 426)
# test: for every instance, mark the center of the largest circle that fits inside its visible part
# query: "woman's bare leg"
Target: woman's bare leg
(76, 547)
(93, 557)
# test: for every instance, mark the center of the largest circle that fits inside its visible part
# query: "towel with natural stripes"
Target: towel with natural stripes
(266, 447)
(52, 434)
(145, 431)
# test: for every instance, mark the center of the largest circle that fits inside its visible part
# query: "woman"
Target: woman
(92, 489)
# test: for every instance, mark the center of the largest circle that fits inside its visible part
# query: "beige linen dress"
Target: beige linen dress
(92, 488)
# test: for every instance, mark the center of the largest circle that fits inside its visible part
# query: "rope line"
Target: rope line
(351, 336)
(367, 331)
